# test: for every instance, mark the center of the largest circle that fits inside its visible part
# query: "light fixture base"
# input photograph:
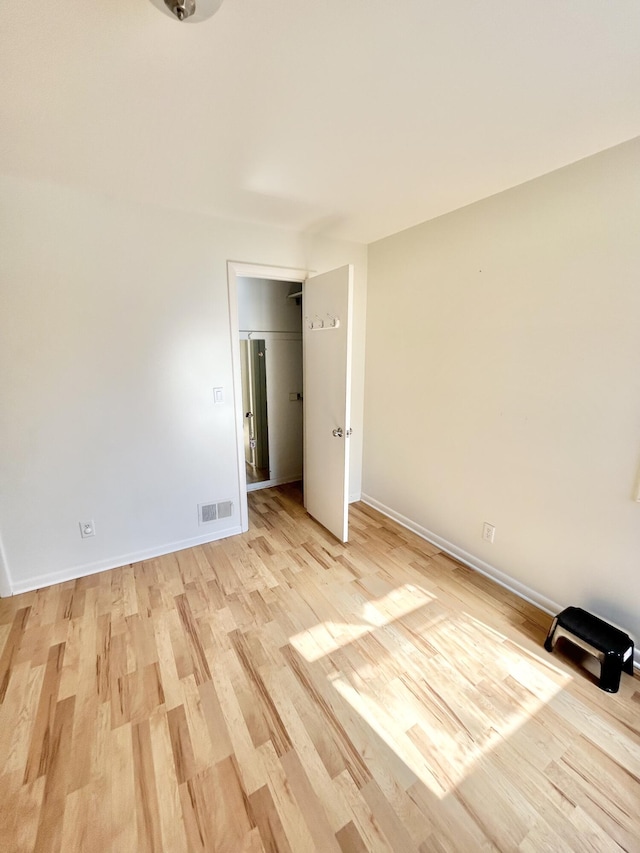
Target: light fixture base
(188, 11)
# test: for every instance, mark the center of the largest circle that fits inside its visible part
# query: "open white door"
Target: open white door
(327, 308)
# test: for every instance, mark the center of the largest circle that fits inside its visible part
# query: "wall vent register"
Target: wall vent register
(214, 511)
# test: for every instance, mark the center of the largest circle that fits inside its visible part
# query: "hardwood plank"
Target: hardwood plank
(147, 806)
(309, 802)
(350, 840)
(183, 757)
(214, 809)
(49, 837)
(20, 811)
(124, 825)
(272, 832)
(199, 661)
(172, 827)
(17, 716)
(41, 746)
(10, 648)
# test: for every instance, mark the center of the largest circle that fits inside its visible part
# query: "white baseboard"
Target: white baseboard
(116, 562)
(277, 481)
(267, 484)
(527, 593)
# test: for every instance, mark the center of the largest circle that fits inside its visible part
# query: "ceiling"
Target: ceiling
(353, 118)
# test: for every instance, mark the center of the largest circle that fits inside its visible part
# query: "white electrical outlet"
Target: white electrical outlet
(488, 532)
(87, 529)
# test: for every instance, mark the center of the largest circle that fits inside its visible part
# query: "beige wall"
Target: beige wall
(114, 332)
(264, 306)
(503, 382)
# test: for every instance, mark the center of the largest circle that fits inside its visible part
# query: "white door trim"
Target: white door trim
(236, 269)
(5, 581)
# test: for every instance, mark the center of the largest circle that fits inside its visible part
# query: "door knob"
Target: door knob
(338, 432)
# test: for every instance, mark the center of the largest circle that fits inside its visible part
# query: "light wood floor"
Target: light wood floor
(278, 691)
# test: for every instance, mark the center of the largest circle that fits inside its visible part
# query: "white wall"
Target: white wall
(114, 330)
(503, 381)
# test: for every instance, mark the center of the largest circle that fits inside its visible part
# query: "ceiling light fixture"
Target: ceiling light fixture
(191, 11)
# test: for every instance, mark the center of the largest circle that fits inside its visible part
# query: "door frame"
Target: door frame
(5, 580)
(235, 270)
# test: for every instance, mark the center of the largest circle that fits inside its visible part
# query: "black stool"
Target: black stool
(613, 648)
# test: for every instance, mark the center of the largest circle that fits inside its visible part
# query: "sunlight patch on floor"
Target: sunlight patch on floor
(440, 758)
(327, 637)
(442, 717)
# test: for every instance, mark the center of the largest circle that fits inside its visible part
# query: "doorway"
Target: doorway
(327, 304)
(270, 332)
(235, 271)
